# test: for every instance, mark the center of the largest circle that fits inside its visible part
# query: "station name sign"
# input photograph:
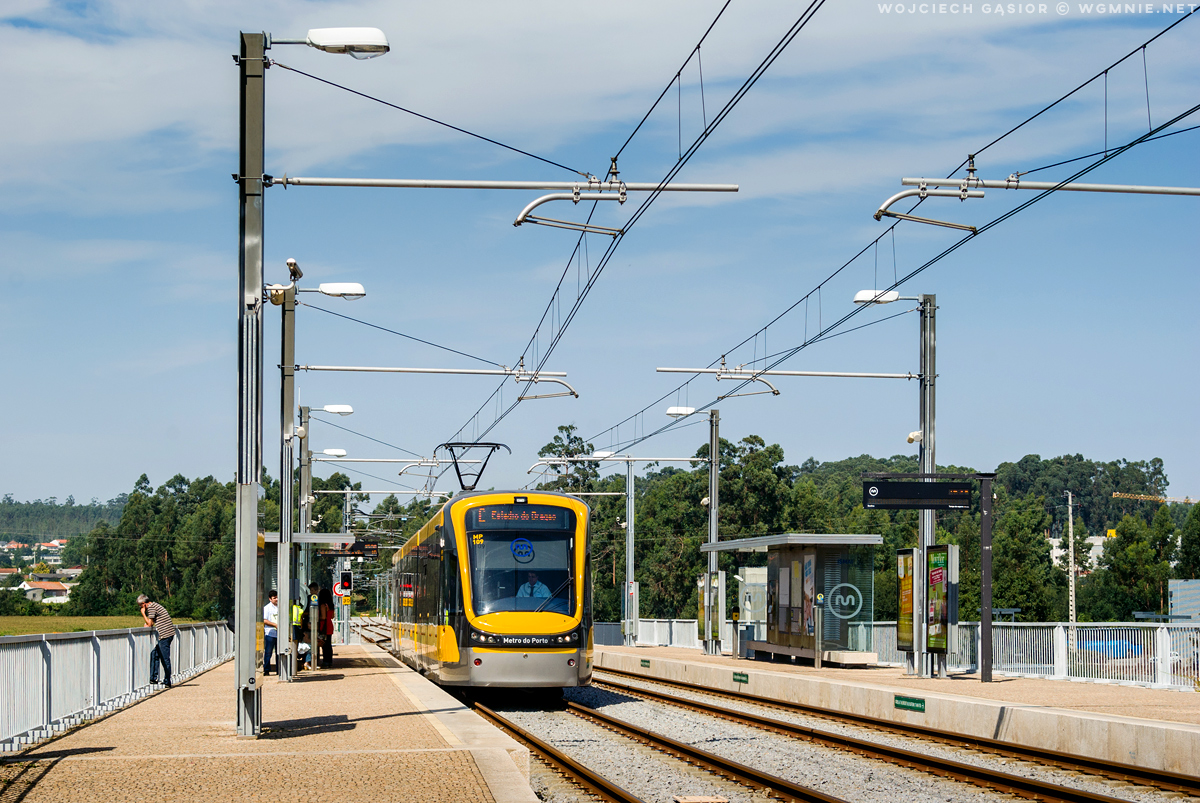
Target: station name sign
(896, 495)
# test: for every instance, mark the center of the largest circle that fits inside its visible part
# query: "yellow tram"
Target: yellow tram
(496, 591)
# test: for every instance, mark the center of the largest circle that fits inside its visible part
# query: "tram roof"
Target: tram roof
(764, 542)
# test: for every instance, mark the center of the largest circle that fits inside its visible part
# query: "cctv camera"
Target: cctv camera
(704, 502)
(301, 431)
(915, 437)
(294, 270)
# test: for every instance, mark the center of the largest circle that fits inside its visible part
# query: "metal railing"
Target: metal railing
(50, 682)
(1140, 654)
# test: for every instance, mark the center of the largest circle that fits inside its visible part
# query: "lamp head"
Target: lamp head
(680, 412)
(340, 409)
(876, 297)
(602, 454)
(346, 290)
(361, 43)
(334, 452)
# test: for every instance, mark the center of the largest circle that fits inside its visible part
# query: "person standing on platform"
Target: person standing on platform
(325, 623)
(270, 630)
(156, 616)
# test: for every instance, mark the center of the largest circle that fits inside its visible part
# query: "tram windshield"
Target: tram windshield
(520, 558)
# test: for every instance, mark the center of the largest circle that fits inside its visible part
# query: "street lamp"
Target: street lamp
(284, 296)
(924, 437)
(252, 182)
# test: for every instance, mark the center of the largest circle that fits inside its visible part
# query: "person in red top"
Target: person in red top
(325, 621)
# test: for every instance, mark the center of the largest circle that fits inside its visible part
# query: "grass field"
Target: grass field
(25, 625)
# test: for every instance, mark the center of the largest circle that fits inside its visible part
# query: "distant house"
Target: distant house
(71, 573)
(12, 546)
(51, 551)
(6, 576)
(50, 591)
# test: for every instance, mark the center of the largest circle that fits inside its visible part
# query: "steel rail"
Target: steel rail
(1170, 781)
(776, 786)
(581, 774)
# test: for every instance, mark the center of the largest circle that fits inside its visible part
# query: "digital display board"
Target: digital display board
(519, 517)
(359, 549)
(894, 495)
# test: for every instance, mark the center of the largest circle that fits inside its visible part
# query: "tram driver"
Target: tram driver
(533, 588)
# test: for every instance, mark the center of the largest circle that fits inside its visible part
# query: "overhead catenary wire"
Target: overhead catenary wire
(1103, 152)
(544, 355)
(1103, 73)
(891, 229)
(934, 260)
(327, 422)
(641, 210)
(399, 334)
(372, 476)
(431, 119)
(673, 80)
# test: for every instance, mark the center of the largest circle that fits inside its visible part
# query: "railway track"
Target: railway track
(374, 632)
(774, 786)
(580, 774)
(1013, 784)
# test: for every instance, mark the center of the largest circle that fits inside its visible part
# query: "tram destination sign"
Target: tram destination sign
(895, 495)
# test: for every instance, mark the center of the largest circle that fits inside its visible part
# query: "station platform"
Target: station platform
(1153, 728)
(367, 729)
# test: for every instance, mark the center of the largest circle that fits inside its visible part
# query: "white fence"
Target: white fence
(54, 681)
(1141, 654)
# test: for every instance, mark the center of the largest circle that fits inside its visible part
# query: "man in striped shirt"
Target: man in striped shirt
(156, 616)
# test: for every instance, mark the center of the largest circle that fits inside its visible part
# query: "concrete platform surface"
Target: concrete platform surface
(1131, 725)
(369, 729)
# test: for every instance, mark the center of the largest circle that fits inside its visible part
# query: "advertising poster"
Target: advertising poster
(798, 601)
(938, 596)
(785, 597)
(810, 592)
(904, 577)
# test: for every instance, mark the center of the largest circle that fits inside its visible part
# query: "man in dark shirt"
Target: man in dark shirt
(156, 616)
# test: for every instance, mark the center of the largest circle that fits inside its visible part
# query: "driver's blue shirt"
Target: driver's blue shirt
(538, 590)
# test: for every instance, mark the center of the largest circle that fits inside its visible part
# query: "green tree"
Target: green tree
(1132, 573)
(1188, 567)
(574, 476)
(1023, 576)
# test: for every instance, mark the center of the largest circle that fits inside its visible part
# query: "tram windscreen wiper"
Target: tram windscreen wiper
(553, 596)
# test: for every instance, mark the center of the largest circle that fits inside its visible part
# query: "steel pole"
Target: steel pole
(712, 646)
(305, 510)
(247, 601)
(985, 577)
(631, 613)
(285, 558)
(1071, 574)
(928, 466)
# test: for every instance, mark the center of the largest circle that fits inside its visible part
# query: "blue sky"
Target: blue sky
(1070, 328)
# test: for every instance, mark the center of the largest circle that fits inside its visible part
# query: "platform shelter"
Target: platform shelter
(820, 594)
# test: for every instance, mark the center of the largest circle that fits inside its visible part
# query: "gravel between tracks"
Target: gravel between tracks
(656, 778)
(1090, 783)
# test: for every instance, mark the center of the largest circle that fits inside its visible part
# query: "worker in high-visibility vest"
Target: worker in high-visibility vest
(298, 629)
